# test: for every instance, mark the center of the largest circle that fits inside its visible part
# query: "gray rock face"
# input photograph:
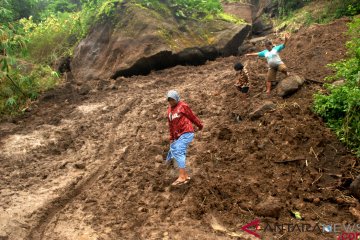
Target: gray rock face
(261, 110)
(138, 40)
(289, 85)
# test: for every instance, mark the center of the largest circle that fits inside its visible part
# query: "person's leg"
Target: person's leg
(282, 68)
(179, 153)
(271, 76)
(183, 175)
(181, 162)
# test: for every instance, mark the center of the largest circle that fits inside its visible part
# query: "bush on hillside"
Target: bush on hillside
(340, 108)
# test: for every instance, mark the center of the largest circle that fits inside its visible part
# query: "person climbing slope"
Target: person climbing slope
(271, 53)
(180, 120)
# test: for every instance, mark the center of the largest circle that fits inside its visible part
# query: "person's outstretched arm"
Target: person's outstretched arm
(252, 54)
(261, 54)
(192, 117)
(281, 47)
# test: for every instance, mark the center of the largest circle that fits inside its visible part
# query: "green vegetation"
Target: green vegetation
(192, 9)
(238, 1)
(195, 8)
(52, 38)
(20, 81)
(187, 8)
(340, 107)
(231, 18)
(294, 14)
(334, 8)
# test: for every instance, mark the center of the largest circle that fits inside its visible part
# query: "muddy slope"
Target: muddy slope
(89, 165)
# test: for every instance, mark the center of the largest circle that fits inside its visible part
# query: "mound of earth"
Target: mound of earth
(90, 164)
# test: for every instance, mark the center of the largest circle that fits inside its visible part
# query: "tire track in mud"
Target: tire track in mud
(76, 188)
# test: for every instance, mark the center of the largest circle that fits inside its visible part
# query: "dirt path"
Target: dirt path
(90, 165)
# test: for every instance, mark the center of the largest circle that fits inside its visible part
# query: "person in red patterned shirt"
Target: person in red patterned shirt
(180, 119)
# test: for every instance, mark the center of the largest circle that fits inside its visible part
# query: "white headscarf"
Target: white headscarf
(174, 95)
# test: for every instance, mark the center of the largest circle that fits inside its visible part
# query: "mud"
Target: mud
(241, 168)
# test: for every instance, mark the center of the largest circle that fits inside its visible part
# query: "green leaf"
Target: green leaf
(297, 215)
(11, 102)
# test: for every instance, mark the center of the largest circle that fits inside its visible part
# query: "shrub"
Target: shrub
(340, 108)
(52, 38)
(20, 81)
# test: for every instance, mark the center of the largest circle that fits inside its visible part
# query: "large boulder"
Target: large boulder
(250, 11)
(138, 40)
(239, 9)
(290, 85)
(193, 56)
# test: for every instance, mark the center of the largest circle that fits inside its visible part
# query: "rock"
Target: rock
(3, 236)
(191, 56)
(258, 39)
(154, 149)
(271, 207)
(244, 48)
(259, 28)
(113, 86)
(158, 158)
(355, 187)
(48, 96)
(338, 83)
(84, 89)
(210, 52)
(225, 134)
(7, 127)
(141, 209)
(261, 110)
(79, 165)
(289, 85)
(124, 45)
(230, 47)
(63, 64)
(299, 204)
(316, 200)
(355, 212)
(241, 10)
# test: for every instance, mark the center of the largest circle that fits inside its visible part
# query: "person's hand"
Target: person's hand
(197, 129)
(286, 36)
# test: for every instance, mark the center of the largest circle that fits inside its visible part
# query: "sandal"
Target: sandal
(179, 182)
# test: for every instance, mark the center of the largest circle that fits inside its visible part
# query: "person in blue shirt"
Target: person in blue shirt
(271, 53)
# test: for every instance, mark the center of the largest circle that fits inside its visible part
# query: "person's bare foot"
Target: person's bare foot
(181, 181)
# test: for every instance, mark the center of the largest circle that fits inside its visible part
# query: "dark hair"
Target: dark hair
(238, 67)
(268, 43)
